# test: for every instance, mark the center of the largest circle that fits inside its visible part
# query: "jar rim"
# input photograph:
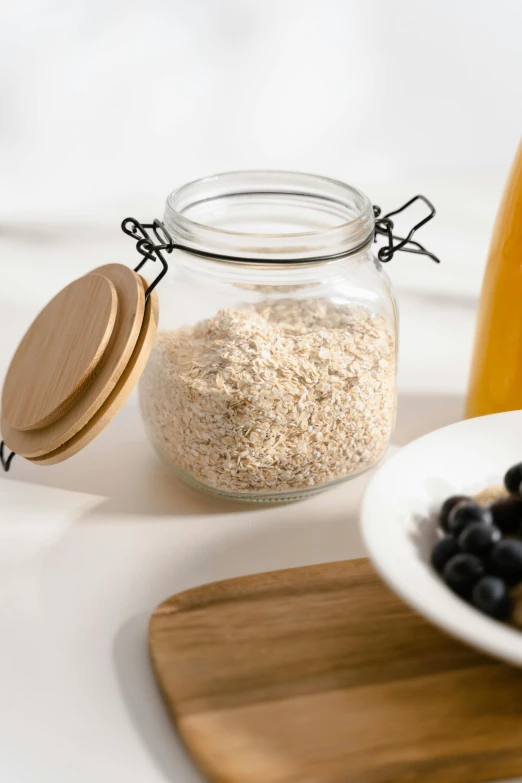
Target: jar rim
(313, 197)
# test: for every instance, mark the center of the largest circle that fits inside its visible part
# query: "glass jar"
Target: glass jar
(273, 375)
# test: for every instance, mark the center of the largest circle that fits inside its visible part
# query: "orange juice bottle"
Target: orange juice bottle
(496, 370)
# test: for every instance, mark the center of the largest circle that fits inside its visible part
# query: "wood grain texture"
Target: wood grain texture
(129, 319)
(119, 395)
(322, 675)
(59, 353)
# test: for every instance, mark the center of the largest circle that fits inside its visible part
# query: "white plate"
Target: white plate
(462, 458)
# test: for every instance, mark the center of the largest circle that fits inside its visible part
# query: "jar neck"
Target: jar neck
(270, 216)
(276, 274)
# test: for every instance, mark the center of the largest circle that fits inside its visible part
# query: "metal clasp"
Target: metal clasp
(145, 245)
(384, 226)
(5, 461)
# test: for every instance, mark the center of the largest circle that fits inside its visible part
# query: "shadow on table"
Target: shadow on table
(145, 705)
(418, 414)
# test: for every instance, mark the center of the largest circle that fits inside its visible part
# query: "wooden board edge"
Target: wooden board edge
(211, 592)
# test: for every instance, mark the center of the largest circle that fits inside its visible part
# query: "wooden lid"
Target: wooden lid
(77, 363)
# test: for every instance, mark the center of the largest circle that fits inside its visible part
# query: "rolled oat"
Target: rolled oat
(281, 396)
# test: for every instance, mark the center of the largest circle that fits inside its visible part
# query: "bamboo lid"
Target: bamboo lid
(77, 364)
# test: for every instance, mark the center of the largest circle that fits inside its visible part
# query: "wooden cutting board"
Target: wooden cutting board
(322, 675)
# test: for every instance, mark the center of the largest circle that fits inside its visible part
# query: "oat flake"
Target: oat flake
(285, 395)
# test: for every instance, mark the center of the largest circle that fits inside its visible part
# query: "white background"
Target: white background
(108, 103)
(106, 106)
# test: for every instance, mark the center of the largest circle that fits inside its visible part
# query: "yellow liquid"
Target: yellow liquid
(496, 370)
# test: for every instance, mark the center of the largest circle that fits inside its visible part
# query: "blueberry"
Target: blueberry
(507, 514)
(462, 572)
(513, 479)
(479, 538)
(491, 596)
(506, 560)
(448, 506)
(463, 514)
(444, 550)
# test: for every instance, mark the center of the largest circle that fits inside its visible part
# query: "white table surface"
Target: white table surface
(88, 548)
